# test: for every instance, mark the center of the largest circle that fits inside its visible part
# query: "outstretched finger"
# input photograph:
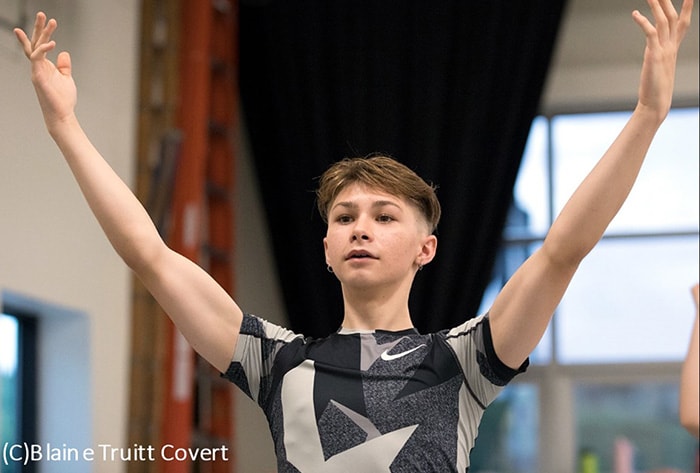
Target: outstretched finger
(684, 18)
(669, 10)
(664, 15)
(643, 22)
(39, 22)
(23, 41)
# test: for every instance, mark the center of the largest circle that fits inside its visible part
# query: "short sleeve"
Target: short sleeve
(258, 343)
(485, 374)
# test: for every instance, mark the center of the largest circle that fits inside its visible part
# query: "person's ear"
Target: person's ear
(427, 251)
(325, 249)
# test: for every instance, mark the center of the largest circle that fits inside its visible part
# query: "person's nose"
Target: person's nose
(361, 230)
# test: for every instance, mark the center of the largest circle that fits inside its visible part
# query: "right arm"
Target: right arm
(201, 309)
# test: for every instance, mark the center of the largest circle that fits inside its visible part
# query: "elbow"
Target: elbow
(140, 256)
(568, 245)
(562, 254)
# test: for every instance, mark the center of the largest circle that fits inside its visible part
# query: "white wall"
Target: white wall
(52, 250)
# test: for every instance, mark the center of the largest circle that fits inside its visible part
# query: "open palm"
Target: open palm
(663, 40)
(53, 83)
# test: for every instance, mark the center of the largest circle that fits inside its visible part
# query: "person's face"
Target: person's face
(375, 238)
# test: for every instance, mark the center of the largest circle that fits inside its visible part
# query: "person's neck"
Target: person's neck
(364, 311)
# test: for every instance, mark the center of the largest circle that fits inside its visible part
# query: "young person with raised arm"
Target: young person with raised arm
(376, 395)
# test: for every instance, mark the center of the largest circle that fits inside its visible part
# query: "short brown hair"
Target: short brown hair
(382, 173)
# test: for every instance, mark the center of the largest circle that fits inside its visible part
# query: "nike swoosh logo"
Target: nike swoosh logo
(387, 357)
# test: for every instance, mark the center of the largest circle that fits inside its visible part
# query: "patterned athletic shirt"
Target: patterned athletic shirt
(370, 401)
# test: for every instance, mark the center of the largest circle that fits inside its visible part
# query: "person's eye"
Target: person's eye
(384, 218)
(344, 218)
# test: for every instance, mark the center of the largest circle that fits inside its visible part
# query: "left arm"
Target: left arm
(521, 312)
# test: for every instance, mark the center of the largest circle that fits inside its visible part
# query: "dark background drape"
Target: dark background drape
(448, 87)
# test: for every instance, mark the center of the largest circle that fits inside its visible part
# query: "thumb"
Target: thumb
(63, 63)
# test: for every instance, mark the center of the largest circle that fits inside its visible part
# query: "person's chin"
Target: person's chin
(360, 278)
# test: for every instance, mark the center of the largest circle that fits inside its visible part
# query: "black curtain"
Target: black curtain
(448, 87)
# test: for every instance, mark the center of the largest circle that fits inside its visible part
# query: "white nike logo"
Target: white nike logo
(387, 357)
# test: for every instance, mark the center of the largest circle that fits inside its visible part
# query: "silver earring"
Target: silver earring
(329, 269)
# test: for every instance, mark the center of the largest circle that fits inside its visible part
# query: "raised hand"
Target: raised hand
(663, 38)
(53, 83)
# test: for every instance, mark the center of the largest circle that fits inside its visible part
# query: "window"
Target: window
(17, 381)
(640, 418)
(627, 310)
(58, 387)
(508, 434)
(9, 420)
